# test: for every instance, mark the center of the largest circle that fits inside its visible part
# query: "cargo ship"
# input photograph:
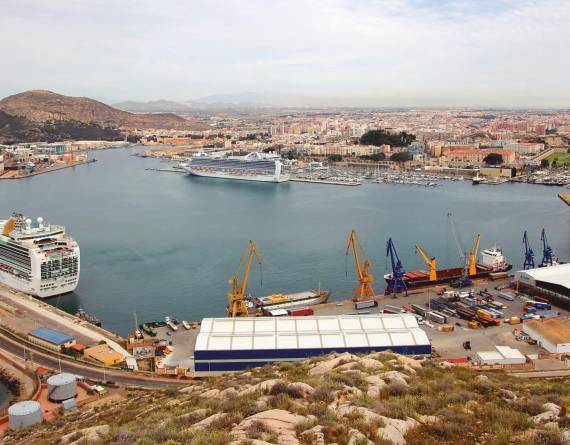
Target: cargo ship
(492, 260)
(280, 301)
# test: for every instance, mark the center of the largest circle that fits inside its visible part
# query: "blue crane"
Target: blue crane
(528, 253)
(396, 281)
(548, 258)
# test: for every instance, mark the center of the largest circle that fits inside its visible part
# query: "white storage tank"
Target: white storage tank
(62, 387)
(24, 414)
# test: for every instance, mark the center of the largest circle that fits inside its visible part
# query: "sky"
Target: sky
(393, 52)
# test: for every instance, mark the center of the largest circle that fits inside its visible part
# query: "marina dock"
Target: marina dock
(326, 181)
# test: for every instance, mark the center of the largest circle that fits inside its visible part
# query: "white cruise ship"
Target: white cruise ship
(36, 258)
(255, 166)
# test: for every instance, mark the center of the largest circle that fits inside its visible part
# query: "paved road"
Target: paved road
(122, 378)
(559, 373)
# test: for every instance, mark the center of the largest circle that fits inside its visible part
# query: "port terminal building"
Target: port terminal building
(233, 344)
(552, 282)
(552, 334)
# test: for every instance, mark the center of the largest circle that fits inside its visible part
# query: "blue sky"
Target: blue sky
(509, 52)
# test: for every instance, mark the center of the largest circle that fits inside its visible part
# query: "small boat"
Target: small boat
(186, 325)
(93, 319)
(170, 323)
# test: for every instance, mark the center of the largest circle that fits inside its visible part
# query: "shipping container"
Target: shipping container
(419, 310)
(506, 296)
(277, 313)
(301, 312)
(365, 304)
(437, 317)
(388, 309)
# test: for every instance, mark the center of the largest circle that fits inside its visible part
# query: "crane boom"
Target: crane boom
(528, 253)
(236, 297)
(473, 255)
(364, 291)
(548, 258)
(396, 282)
(431, 262)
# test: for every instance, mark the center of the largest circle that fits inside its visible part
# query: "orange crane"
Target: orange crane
(473, 255)
(431, 262)
(364, 291)
(236, 297)
(8, 227)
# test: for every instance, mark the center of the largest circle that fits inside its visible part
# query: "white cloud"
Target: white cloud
(500, 51)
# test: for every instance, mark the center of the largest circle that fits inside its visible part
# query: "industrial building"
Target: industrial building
(232, 344)
(553, 334)
(103, 354)
(51, 339)
(503, 355)
(552, 282)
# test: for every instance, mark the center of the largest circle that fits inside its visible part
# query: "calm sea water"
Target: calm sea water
(166, 244)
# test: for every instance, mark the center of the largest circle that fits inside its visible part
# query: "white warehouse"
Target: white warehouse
(232, 344)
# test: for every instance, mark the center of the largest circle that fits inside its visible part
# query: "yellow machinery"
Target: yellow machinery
(236, 297)
(431, 262)
(364, 291)
(473, 255)
(8, 227)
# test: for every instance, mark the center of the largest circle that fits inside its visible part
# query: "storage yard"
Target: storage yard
(222, 342)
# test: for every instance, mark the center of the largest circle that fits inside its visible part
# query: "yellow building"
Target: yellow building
(103, 354)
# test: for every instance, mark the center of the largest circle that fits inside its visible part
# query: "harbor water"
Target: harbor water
(162, 243)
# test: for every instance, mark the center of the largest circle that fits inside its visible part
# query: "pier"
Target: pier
(326, 181)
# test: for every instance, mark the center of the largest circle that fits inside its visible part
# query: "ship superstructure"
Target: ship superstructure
(264, 167)
(36, 258)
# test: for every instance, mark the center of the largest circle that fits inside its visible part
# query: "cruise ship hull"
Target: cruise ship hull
(46, 289)
(222, 175)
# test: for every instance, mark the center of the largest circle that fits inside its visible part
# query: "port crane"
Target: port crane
(236, 297)
(548, 258)
(469, 260)
(396, 283)
(473, 255)
(431, 263)
(528, 253)
(364, 291)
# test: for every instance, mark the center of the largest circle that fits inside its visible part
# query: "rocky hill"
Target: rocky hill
(41, 106)
(381, 399)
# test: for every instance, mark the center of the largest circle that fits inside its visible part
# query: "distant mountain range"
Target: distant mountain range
(287, 100)
(43, 115)
(242, 100)
(154, 106)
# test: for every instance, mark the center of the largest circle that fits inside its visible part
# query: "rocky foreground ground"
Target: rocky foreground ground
(380, 398)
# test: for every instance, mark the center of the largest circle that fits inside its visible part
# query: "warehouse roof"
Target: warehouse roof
(557, 275)
(553, 330)
(51, 336)
(323, 332)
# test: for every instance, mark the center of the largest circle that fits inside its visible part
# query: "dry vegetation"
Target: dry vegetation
(346, 404)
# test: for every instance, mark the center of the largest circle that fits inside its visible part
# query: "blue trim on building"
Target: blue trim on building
(203, 359)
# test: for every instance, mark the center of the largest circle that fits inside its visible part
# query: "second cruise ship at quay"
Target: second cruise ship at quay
(264, 167)
(36, 258)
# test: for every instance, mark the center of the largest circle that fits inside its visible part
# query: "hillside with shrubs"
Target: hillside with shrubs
(380, 398)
